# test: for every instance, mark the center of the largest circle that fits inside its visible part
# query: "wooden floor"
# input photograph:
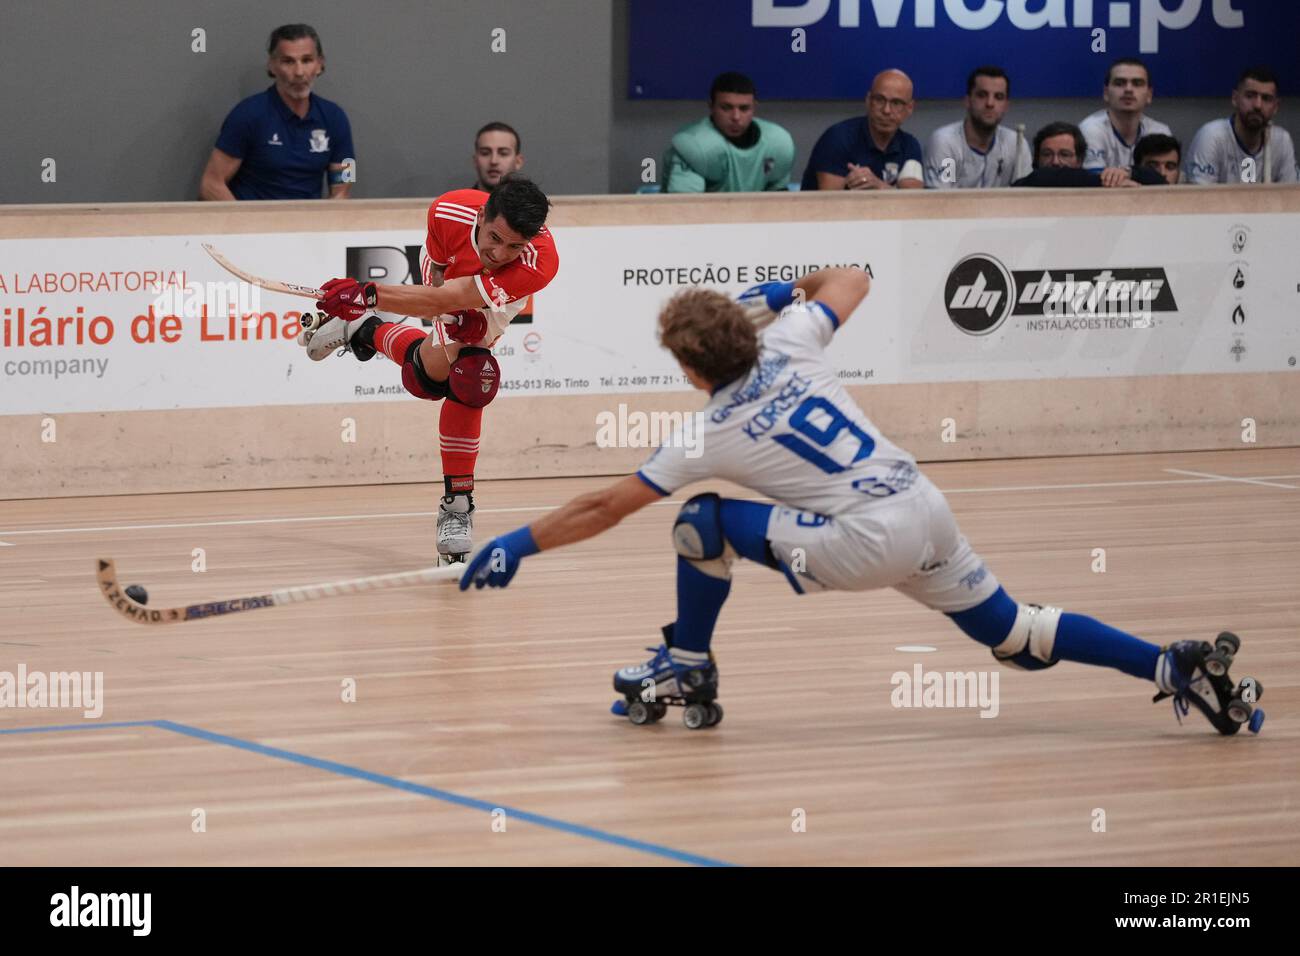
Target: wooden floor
(470, 703)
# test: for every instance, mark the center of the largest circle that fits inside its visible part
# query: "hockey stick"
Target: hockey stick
(270, 284)
(116, 595)
(289, 288)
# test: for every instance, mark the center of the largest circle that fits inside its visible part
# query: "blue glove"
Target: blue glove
(762, 303)
(497, 563)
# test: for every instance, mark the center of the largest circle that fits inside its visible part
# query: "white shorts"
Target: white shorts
(909, 541)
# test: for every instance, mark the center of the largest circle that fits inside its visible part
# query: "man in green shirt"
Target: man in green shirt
(730, 150)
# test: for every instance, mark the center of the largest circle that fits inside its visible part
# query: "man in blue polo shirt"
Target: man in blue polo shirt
(871, 152)
(280, 143)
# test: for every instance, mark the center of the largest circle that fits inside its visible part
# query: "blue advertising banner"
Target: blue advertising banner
(830, 49)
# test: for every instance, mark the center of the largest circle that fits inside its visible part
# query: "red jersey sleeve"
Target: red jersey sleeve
(536, 266)
(448, 217)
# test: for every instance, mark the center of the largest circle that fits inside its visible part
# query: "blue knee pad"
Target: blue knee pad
(707, 523)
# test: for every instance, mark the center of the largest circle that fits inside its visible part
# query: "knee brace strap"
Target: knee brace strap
(1032, 638)
(416, 380)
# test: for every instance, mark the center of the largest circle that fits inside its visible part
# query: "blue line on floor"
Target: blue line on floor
(395, 783)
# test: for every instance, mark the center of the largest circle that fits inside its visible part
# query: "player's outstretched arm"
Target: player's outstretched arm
(584, 517)
(840, 289)
(349, 299)
(427, 302)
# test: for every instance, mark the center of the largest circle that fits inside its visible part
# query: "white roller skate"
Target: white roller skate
(455, 528)
(323, 336)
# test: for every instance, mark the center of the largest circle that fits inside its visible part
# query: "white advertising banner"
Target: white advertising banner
(153, 323)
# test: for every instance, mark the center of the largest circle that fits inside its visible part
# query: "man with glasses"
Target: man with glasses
(1246, 147)
(1058, 162)
(871, 152)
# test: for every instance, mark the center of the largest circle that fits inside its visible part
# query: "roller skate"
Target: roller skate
(679, 678)
(322, 336)
(455, 528)
(1196, 673)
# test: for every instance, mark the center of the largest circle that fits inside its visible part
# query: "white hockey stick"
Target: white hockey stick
(142, 614)
(269, 284)
(274, 285)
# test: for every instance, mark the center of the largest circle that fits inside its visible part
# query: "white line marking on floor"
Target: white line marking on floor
(1247, 481)
(1210, 479)
(916, 648)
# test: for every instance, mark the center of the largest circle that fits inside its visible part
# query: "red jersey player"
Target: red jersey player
(484, 256)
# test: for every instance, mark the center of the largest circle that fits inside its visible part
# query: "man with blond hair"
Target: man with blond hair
(851, 512)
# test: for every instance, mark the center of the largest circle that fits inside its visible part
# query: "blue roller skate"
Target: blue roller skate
(1196, 673)
(678, 678)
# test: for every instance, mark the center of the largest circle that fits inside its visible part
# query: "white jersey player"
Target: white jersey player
(1106, 148)
(852, 512)
(1111, 133)
(978, 152)
(1245, 147)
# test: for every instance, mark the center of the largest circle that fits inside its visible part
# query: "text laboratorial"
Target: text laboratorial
(155, 282)
(33, 328)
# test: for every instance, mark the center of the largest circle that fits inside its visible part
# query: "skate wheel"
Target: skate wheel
(1216, 664)
(639, 713)
(1251, 685)
(696, 716)
(619, 708)
(659, 708)
(1239, 711)
(715, 713)
(1256, 721)
(1229, 642)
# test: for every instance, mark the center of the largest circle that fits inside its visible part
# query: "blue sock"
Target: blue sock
(700, 598)
(1089, 641)
(1079, 638)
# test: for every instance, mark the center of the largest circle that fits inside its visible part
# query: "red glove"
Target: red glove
(471, 327)
(347, 298)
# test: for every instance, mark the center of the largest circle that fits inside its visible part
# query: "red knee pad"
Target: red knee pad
(475, 377)
(416, 381)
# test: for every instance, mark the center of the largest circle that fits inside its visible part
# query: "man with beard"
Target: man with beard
(1246, 147)
(977, 153)
(730, 150)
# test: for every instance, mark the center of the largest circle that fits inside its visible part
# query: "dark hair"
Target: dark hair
(1060, 129)
(996, 72)
(1128, 61)
(731, 82)
(1260, 74)
(1155, 145)
(500, 128)
(294, 31)
(523, 205)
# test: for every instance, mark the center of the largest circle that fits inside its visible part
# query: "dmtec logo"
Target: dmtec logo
(981, 292)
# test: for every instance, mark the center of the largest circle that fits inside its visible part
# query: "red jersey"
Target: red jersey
(452, 221)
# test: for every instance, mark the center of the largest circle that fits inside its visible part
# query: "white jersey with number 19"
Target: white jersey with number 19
(789, 430)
